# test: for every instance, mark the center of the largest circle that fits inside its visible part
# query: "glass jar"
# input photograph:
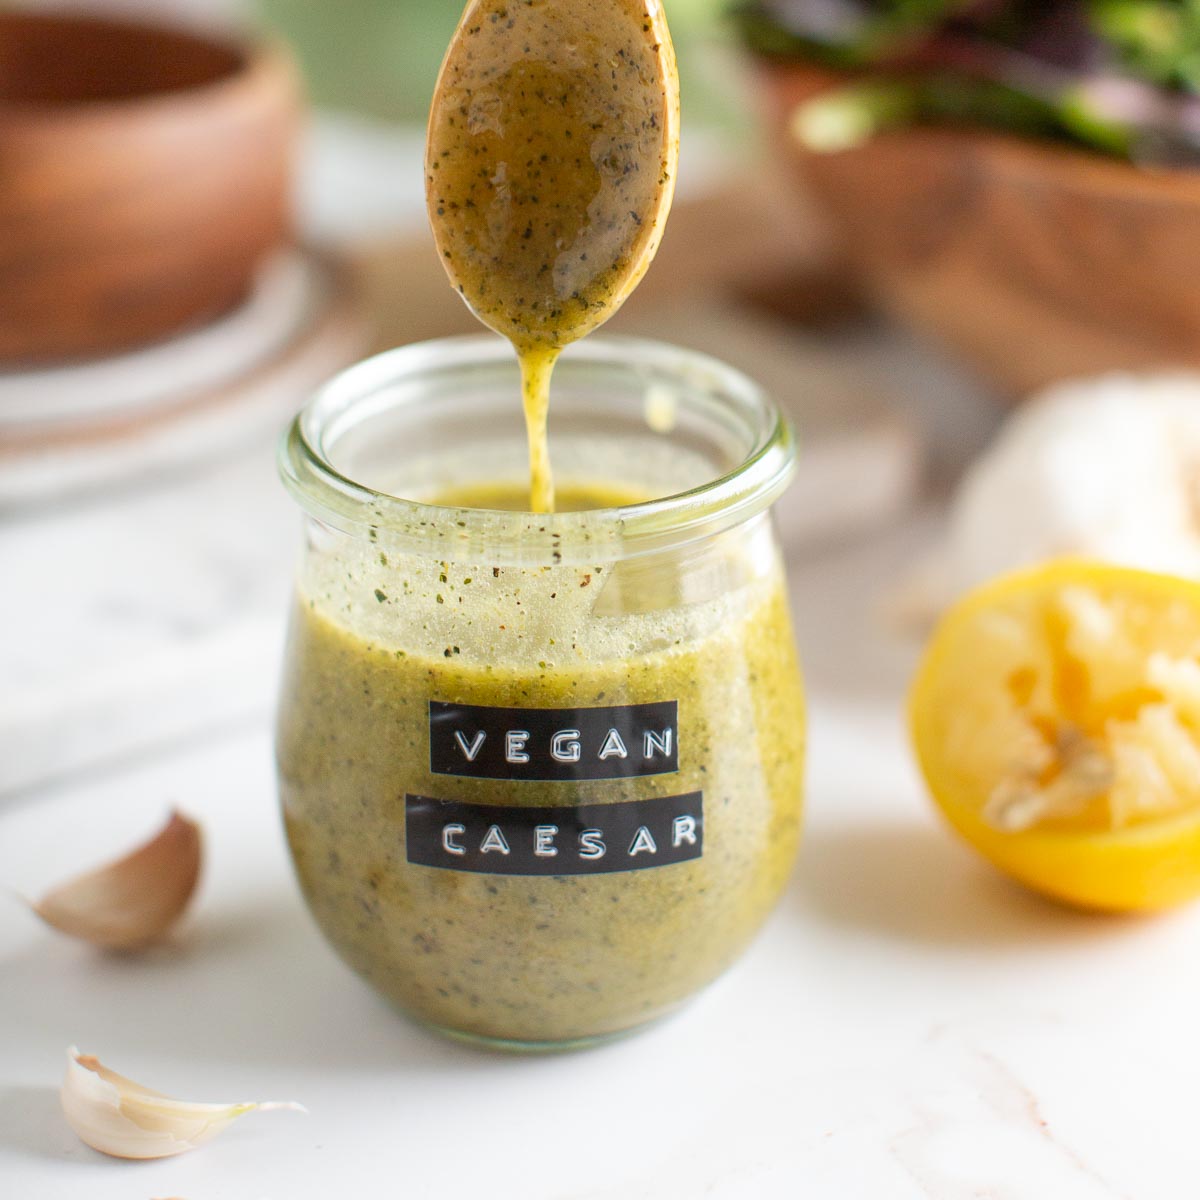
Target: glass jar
(540, 774)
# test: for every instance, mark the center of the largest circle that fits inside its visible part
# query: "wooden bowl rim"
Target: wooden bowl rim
(258, 59)
(1021, 157)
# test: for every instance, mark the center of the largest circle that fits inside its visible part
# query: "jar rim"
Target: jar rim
(623, 531)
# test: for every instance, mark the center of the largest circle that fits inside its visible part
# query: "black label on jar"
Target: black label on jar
(619, 741)
(591, 839)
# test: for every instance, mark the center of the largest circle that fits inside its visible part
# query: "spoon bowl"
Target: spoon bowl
(551, 160)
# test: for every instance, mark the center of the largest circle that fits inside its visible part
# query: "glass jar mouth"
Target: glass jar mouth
(764, 465)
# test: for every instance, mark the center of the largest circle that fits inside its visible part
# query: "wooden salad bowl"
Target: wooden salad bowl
(1035, 262)
(144, 175)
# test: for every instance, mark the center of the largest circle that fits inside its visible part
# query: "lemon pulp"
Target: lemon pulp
(1056, 716)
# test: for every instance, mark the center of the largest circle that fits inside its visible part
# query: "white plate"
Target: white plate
(289, 290)
(69, 430)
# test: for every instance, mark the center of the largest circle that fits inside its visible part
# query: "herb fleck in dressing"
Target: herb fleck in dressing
(550, 165)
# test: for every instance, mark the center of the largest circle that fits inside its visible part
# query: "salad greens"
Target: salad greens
(1118, 76)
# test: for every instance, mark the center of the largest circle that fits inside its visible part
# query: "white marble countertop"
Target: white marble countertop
(907, 1025)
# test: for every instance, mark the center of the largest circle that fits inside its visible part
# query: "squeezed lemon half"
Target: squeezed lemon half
(1056, 718)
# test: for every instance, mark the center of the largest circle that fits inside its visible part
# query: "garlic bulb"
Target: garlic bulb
(135, 900)
(116, 1116)
(1106, 468)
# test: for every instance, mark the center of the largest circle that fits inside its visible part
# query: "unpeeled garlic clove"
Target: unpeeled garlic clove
(134, 900)
(121, 1118)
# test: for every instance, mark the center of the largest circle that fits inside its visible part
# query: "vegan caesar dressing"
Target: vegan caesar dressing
(630, 914)
(550, 164)
(541, 774)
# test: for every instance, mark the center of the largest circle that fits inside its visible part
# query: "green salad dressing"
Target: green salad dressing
(532, 800)
(549, 169)
(547, 958)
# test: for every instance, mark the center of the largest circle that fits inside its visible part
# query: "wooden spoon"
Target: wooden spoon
(550, 166)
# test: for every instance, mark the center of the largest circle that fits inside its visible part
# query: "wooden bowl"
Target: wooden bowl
(144, 175)
(1036, 262)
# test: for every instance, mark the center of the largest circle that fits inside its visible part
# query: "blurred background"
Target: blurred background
(906, 219)
(959, 242)
(381, 59)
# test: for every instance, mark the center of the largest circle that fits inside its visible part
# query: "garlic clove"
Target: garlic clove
(134, 900)
(121, 1118)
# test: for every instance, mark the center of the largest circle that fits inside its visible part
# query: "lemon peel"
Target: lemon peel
(1056, 719)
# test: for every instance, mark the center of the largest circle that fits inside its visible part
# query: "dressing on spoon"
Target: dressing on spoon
(550, 165)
